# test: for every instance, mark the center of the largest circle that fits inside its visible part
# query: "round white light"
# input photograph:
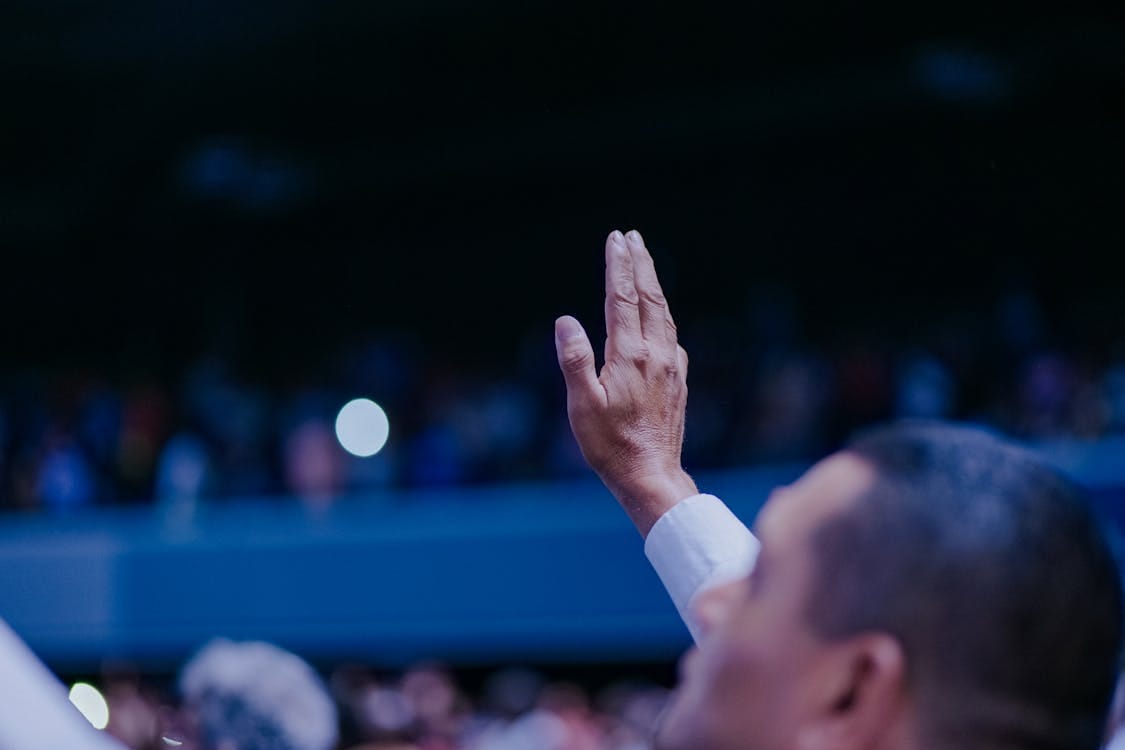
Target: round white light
(90, 702)
(362, 427)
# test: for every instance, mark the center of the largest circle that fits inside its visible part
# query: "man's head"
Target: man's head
(929, 586)
(252, 695)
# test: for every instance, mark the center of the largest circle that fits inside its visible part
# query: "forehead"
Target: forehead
(824, 491)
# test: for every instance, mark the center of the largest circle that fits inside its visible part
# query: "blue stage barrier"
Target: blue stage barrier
(538, 571)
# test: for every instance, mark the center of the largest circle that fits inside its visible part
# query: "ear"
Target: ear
(860, 694)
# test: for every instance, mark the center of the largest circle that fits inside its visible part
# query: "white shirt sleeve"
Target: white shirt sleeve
(35, 713)
(696, 545)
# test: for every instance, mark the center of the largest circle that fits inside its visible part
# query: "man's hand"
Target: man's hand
(629, 419)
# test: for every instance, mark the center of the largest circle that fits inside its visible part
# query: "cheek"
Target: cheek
(731, 683)
(755, 681)
(739, 692)
(741, 677)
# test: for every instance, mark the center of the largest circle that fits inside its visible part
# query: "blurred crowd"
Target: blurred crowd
(255, 696)
(761, 391)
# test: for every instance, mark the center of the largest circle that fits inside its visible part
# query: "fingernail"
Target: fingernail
(635, 236)
(616, 237)
(567, 328)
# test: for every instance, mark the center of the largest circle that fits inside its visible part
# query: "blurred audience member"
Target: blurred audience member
(68, 441)
(256, 696)
(134, 714)
(65, 481)
(183, 476)
(313, 463)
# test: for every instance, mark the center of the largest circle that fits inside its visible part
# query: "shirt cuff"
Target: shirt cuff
(697, 545)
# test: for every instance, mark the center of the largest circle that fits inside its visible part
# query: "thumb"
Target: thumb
(576, 357)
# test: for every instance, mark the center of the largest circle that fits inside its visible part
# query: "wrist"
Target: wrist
(646, 498)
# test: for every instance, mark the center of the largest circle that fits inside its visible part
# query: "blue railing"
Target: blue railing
(539, 571)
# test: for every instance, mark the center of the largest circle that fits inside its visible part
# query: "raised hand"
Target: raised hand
(629, 418)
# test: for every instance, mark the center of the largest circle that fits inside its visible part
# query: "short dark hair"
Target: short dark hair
(991, 570)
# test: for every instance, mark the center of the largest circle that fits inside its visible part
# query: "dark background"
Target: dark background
(274, 180)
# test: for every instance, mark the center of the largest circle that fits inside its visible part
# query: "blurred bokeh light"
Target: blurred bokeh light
(362, 427)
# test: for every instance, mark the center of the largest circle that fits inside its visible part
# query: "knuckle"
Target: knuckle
(575, 361)
(625, 299)
(576, 409)
(640, 355)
